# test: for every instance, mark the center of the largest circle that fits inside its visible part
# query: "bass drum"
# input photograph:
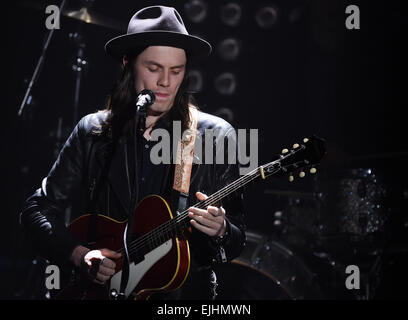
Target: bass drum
(266, 270)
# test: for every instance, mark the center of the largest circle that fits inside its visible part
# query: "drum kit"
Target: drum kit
(343, 222)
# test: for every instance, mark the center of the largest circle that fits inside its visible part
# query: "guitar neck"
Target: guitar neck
(215, 198)
(171, 228)
(308, 153)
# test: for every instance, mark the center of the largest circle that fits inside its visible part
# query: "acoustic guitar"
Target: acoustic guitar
(158, 253)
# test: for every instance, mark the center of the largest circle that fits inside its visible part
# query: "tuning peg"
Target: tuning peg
(301, 174)
(295, 146)
(313, 170)
(305, 140)
(285, 151)
(291, 178)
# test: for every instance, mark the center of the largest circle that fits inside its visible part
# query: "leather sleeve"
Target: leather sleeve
(212, 174)
(225, 174)
(42, 216)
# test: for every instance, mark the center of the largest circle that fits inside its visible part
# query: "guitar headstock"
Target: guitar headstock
(300, 158)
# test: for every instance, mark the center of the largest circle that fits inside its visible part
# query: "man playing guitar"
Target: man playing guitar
(105, 169)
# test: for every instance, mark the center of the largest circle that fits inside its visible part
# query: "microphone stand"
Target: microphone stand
(39, 65)
(138, 128)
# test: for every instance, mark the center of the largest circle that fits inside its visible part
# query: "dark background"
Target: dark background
(306, 75)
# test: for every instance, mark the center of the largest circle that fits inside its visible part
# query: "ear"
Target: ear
(124, 60)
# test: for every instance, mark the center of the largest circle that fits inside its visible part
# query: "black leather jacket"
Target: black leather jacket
(77, 170)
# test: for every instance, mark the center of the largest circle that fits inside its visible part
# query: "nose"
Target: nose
(164, 79)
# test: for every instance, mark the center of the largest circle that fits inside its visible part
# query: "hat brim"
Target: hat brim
(194, 46)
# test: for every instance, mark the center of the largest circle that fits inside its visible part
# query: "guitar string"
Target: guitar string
(155, 236)
(170, 225)
(163, 233)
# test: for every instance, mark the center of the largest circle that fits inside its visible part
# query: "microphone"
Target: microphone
(145, 99)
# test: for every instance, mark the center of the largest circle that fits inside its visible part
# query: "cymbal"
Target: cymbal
(83, 14)
(86, 16)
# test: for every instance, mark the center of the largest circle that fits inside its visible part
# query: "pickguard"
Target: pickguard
(137, 271)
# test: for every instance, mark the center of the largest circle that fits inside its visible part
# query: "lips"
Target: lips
(161, 95)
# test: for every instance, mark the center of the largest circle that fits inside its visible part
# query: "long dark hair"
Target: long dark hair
(121, 102)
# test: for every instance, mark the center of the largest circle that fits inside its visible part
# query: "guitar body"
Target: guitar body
(164, 268)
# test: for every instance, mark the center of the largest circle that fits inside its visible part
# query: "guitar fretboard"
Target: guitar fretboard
(171, 228)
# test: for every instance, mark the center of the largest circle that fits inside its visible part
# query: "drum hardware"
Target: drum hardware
(343, 222)
(374, 278)
(79, 66)
(278, 219)
(80, 63)
(83, 15)
(347, 214)
(260, 240)
(267, 269)
(369, 265)
(355, 199)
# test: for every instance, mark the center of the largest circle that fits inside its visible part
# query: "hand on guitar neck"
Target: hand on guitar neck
(98, 265)
(211, 221)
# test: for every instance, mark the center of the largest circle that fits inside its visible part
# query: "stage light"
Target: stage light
(267, 16)
(226, 83)
(196, 10)
(195, 81)
(229, 49)
(231, 14)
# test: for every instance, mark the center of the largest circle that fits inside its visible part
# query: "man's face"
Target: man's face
(160, 69)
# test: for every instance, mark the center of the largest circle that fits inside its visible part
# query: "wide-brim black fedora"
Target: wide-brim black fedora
(157, 25)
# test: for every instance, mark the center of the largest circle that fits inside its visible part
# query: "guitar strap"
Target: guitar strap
(184, 161)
